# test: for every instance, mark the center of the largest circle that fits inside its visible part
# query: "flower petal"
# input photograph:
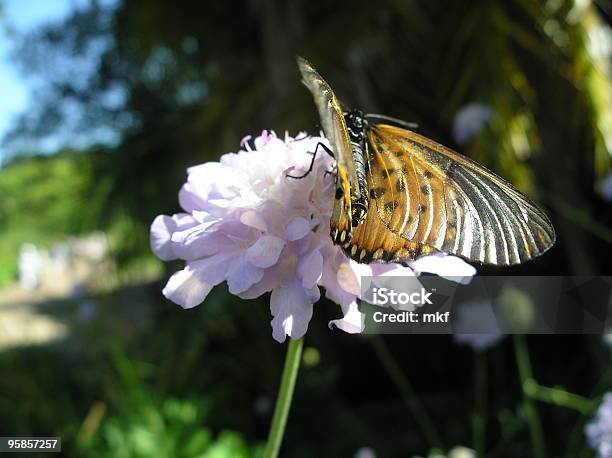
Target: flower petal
(161, 230)
(297, 228)
(187, 288)
(265, 251)
(190, 286)
(189, 198)
(349, 279)
(333, 259)
(291, 307)
(353, 321)
(209, 182)
(310, 269)
(449, 267)
(253, 219)
(264, 139)
(242, 275)
(196, 243)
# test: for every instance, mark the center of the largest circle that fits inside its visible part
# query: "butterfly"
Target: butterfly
(400, 195)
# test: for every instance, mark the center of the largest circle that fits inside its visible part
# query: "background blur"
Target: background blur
(105, 103)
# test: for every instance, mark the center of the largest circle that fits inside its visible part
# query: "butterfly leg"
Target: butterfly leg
(333, 171)
(314, 156)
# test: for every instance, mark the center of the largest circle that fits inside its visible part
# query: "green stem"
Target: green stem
(407, 392)
(285, 394)
(560, 397)
(527, 386)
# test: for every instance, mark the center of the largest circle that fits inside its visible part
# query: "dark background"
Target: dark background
(134, 93)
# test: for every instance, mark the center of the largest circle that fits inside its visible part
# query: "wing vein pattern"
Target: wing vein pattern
(433, 199)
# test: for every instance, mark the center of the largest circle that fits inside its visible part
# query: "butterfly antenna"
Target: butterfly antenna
(398, 122)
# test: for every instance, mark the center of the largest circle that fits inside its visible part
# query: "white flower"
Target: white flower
(469, 121)
(461, 452)
(246, 223)
(599, 429)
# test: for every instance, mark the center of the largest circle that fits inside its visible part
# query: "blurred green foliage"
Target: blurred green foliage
(143, 424)
(44, 200)
(99, 392)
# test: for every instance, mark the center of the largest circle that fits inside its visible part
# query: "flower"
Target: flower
(247, 223)
(476, 325)
(461, 452)
(456, 452)
(599, 429)
(469, 121)
(365, 452)
(604, 188)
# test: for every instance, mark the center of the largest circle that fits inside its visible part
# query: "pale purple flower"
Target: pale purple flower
(246, 223)
(476, 325)
(604, 188)
(365, 452)
(469, 121)
(599, 429)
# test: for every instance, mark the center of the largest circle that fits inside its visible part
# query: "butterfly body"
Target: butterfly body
(400, 195)
(356, 129)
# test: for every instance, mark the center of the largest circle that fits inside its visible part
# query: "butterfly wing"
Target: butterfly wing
(425, 198)
(334, 127)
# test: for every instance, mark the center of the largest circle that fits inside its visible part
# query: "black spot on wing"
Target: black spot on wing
(391, 205)
(386, 173)
(375, 193)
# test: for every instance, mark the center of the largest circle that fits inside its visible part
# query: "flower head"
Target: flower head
(477, 321)
(247, 223)
(599, 429)
(604, 188)
(469, 121)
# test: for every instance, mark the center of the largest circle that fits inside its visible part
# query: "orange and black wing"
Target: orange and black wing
(334, 127)
(426, 198)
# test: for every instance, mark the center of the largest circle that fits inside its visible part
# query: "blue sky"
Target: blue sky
(18, 16)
